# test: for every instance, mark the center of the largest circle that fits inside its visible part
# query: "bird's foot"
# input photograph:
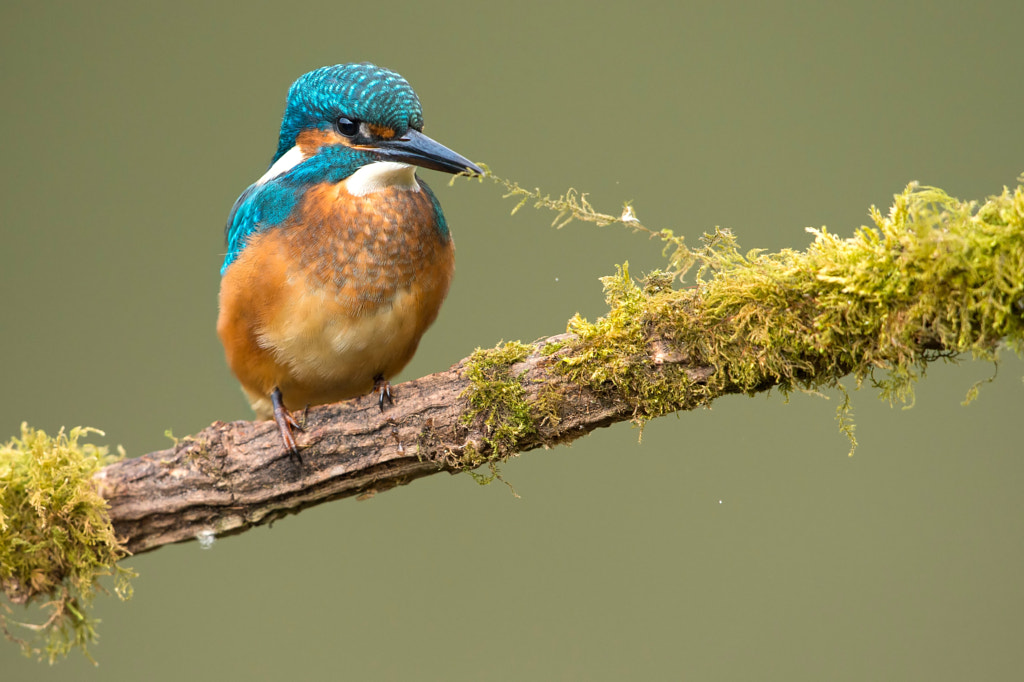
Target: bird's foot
(285, 423)
(382, 387)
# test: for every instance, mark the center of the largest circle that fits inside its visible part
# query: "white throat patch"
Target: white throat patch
(290, 159)
(373, 177)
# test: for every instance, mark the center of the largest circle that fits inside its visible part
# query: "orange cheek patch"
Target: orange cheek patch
(383, 132)
(311, 140)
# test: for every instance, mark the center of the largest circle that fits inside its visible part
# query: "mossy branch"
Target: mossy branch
(934, 278)
(56, 538)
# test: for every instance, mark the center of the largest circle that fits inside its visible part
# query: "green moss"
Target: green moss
(56, 539)
(498, 399)
(499, 402)
(545, 408)
(615, 350)
(934, 278)
(552, 348)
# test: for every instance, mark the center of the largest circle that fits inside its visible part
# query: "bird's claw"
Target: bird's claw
(382, 387)
(285, 423)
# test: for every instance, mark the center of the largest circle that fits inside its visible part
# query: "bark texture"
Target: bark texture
(232, 476)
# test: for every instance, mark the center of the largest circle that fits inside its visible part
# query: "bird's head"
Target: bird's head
(358, 114)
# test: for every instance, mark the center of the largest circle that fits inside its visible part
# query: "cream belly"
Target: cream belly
(329, 356)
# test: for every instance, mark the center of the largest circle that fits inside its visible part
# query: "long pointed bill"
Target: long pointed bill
(416, 148)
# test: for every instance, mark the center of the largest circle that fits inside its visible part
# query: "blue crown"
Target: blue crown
(361, 92)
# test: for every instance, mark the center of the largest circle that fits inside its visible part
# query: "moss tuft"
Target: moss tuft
(498, 399)
(56, 539)
(551, 348)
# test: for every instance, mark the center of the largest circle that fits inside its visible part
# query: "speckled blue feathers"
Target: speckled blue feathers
(357, 91)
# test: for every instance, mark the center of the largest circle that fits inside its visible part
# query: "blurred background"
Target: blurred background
(734, 543)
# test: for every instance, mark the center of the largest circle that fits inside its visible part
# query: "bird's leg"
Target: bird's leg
(285, 423)
(382, 387)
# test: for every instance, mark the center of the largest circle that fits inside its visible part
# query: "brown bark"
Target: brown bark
(232, 476)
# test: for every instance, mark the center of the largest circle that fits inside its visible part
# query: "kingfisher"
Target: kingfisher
(338, 257)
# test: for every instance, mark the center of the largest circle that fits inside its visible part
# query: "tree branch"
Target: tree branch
(232, 476)
(936, 277)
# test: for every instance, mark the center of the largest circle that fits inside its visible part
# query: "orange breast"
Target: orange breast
(340, 294)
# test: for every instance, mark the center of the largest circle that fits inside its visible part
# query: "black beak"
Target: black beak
(416, 148)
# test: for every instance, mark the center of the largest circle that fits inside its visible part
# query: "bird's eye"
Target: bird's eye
(348, 127)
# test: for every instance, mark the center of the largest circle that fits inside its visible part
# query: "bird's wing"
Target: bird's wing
(261, 206)
(241, 218)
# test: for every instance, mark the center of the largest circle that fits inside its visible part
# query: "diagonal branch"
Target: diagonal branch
(935, 278)
(232, 476)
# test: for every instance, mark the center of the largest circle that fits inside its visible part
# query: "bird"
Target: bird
(339, 257)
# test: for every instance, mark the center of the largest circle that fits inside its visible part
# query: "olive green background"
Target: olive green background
(733, 543)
